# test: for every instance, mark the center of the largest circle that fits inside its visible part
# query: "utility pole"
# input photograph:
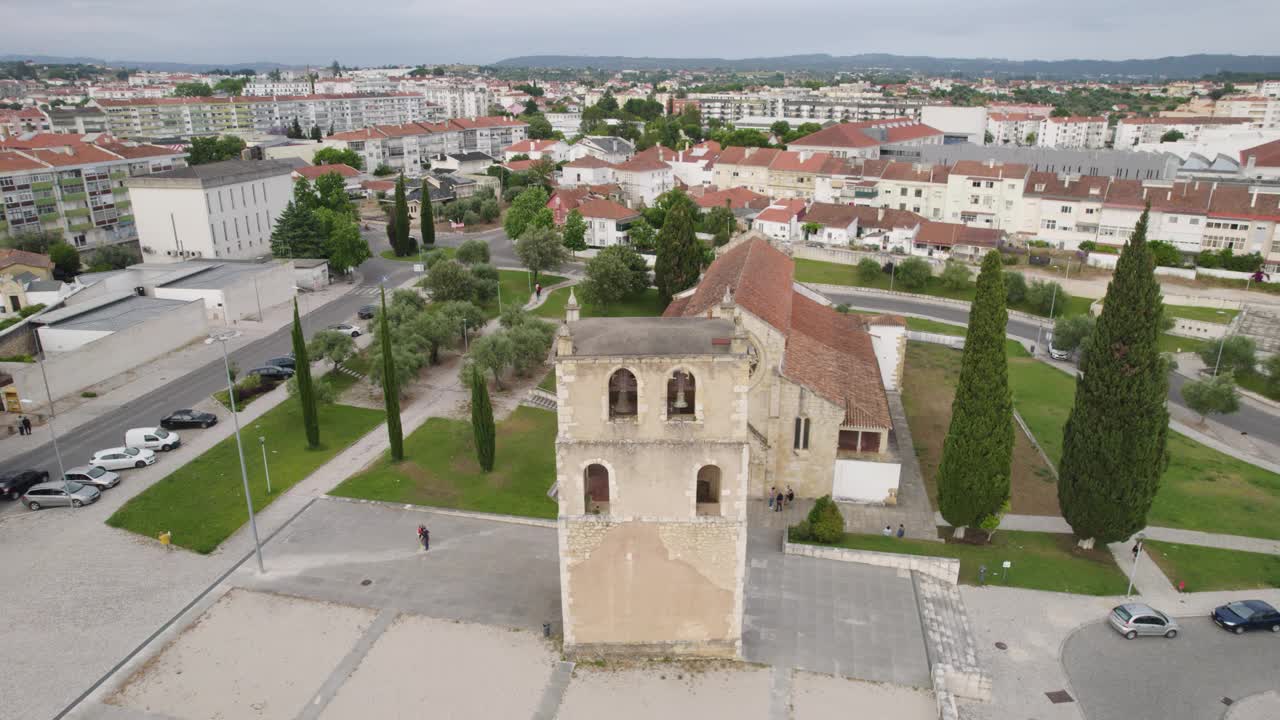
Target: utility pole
(222, 339)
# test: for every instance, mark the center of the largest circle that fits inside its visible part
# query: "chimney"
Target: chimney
(1253, 197)
(1169, 194)
(564, 342)
(1144, 192)
(991, 162)
(879, 214)
(1249, 164)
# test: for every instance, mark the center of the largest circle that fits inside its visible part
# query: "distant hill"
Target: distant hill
(1183, 66)
(142, 64)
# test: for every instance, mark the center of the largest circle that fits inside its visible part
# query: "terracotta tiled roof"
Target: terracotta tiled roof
(1239, 201)
(12, 161)
(642, 164)
(312, 172)
(1264, 155)
(1012, 117)
(910, 132)
(757, 275)
(832, 354)
(519, 165)
(606, 209)
(9, 257)
(885, 218)
(909, 172)
(782, 211)
(525, 146)
(831, 215)
(588, 161)
(42, 140)
(977, 168)
(376, 185)
(952, 234)
(737, 198)
(80, 154)
(843, 135)
(136, 151)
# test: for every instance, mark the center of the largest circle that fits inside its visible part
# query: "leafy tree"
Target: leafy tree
(1114, 442)
(825, 524)
(1073, 333)
(615, 273)
(1047, 298)
(346, 248)
(541, 172)
(214, 149)
(1239, 355)
(1030, 139)
(383, 170)
(1172, 136)
(390, 386)
(331, 345)
(112, 257)
(449, 280)
(913, 273)
(230, 86)
(720, 221)
(522, 210)
(471, 252)
(988, 138)
(65, 259)
(656, 216)
(973, 478)
(575, 232)
(955, 276)
(403, 243)
(302, 375)
(680, 254)
(316, 134)
(297, 233)
(192, 89)
(1165, 254)
(482, 425)
(463, 314)
(868, 270)
(529, 345)
(336, 156)
(539, 126)
(1214, 395)
(1015, 284)
(780, 129)
(492, 353)
(428, 221)
(294, 130)
(540, 248)
(643, 237)
(1272, 368)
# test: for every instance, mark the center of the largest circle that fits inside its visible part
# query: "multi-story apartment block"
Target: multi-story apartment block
(191, 117)
(1139, 130)
(1073, 133)
(407, 146)
(867, 139)
(986, 194)
(803, 106)
(26, 120)
(1263, 112)
(456, 100)
(921, 189)
(1012, 128)
(62, 183)
(261, 86)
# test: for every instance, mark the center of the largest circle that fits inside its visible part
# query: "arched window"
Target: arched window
(681, 394)
(622, 394)
(595, 484)
(708, 490)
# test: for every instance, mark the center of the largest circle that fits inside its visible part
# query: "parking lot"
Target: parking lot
(1199, 674)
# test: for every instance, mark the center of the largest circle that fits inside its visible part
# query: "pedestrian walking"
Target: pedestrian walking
(887, 531)
(537, 290)
(791, 495)
(424, 536)
(902, 531)
(781, 498)
(26, 425)
(772, 492)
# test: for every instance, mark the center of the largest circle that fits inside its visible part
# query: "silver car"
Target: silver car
(100, 478)
(1134, 619)
(60, 493)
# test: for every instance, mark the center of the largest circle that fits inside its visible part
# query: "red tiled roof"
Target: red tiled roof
(12, 161)
(1196, 120)
(757, 275)
(977, 168)
(312, 172)
(642, 164)
(846, 135)
(872, 217)
(9, 257)
(1239, 201)
(376, 185)
(588, 161)
(782, 211)
(1264, 155)
(606, 209)
(831, 215)
(1012, 117)
(519, 165)
(910, 132)
(832, 354)
(42, 140)
(80, 154)
(736, 197)
(909, 172)
(525, 146)
(952, 234)
(136, 151)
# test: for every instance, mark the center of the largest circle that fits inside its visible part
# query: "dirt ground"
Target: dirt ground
(669, 692)
(928, 387)
(815, 696)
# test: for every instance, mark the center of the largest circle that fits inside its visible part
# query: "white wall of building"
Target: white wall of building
(229, 221)
(969, 122)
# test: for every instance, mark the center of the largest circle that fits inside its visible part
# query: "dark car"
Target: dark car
(284, 361)
(367, 312)
(187, 419)
(271, 372)
(1247, 615)
(13, 484)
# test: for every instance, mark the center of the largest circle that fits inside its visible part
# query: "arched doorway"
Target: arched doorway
(707, 491)
(622, 394)
(595, 483)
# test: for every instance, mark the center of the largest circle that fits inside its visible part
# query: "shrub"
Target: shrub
(1038, 243)
(842, 309)
(1009, 259)
(471, 218)
(955, 275)
(30, 310)
(18, 358)
(913, 273)
(1047, 297)
(868, 270)
(436, 256)
(800, 532)
(1015, 285)
(88, 394)
(472, 252)
(1088, 246)
(826, 524)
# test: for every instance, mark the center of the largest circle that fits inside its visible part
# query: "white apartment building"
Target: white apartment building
(454, 99)
(586, 170)
(921, 189)
(1073, 133)
(568, 123)
(603, 147)
(1137, 131)
(1012, 128)
(958, 124)
(781, 221)
(642, 179)
(262, 86)
(405, 147)
(986, 194)
(607, 222)
(219, 210)
(555, 150)
(1262, 112)
(799, 106)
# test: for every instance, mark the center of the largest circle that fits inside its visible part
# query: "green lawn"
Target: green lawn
(816, 271)
(440, 468)
(202, 502)
(923, 324)
(516, 289)
(1041, 561)
(549, 382)
(416, 257)
(1175, 344)
(1205, 568)
(646, 305)
(1203, 314)
(1255, 381)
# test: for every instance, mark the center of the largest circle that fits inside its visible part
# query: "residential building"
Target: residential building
(837, 224)
(1012, 128)
(555, 150)
(1262, 112)
(1073, 133)
(957, 124)
(567, 124)
(1262, 162)
(603, 147)
(736, 199)
(65, 184)
(350, 176)
(78, 120)
(455, 100)
(801, 106)
(586, 170)
(466, 163)
(607, 221)
(921, 189)
(406, 147)
(986, 194)
(262, 86)
(26, 120)
(865, 139)
(1132, 131)
(220, 210)
(780, 222)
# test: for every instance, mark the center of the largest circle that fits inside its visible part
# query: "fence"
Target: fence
(951, 341)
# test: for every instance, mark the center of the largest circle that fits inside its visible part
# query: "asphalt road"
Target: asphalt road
(1248, 420)
(1155, 678)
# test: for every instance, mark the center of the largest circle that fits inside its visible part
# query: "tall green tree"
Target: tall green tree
(482, 422)
(575, 232)
(680, 254)
(390, 387)
(297, 234)
(973, 479)
(346, 248)
(400, 244)
(522, 210)
(540, 248)
(1214, 395)
(428, 220)
(1114, 442)
(302, 376)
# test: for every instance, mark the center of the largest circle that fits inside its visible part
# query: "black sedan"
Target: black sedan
(13, 484)
(284, 361)
(272, 373)
(367, 312)
(1247, 615)
(179, 419)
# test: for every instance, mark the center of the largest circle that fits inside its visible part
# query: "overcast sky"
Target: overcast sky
(436, 31)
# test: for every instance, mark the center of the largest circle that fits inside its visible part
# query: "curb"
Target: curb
(469, 514)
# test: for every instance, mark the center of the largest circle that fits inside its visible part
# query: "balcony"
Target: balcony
(71, 196)
(82, 227)
(72, 182)
(125, 219)
(42, 185)
(76, 212)
(48, 214)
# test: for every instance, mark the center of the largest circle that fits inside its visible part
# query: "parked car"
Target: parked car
(1247, 615)
(188, 418)
(367, 312)
(284, 361)
(13, 484)
(152, 438)
(1134, 619)
(1057, 354)
(345, 329)
(60, 493)
(119, 458)
(93, 475)
(274, 373)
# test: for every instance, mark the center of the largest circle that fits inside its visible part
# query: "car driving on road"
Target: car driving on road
(13, 484)
(1244, 615)
(1134, 619)
(188, 418)
(367, 312)
(60, 493)
(94, 476)
(120, 458)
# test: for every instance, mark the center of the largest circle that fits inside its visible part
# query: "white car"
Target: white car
(345, 329)
(152, 438)
(121, 458)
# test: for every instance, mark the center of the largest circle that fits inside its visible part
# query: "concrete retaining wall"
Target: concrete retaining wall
(1198, 329)
(945, 569)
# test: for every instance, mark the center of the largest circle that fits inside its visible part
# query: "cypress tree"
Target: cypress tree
(680, 254)
(302, 375)
(1113, 445)
(390, 389)
(400, 243)
(482, 421)
(428, 218)
(973, 479)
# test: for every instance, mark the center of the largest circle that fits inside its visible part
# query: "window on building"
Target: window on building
(801, 439)
(977, 183)
(902, 192)
(622, 394)
(989, 184)
(681, 395)
(1195, 221)
(1066, 209)
(1173, 220)
(707, 491)
(974, 199)
(1089, 211)
(595, 486)
(1049, 224)
(919, 192)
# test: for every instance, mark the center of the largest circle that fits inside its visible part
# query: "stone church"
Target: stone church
(668, 427)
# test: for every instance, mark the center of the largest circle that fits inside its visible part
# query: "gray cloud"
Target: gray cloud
(432, 31)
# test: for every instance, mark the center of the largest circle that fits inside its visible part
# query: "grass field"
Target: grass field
(646, 305)
(1256, 382)
(416, 257)
(440, 468)
(549, 381)
(1175, 344)
(202, 502)
(1205, 568)
(1040, 561)
(1203, 314)
(517, 289)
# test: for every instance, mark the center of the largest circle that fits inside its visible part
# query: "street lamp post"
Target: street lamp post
(262, 440)
(62, 472)
(1053, 302)
(222, 339)
(1137, 553)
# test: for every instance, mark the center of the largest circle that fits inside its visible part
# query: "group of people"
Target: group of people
(24, 426)
(779, 499)
(888, 531)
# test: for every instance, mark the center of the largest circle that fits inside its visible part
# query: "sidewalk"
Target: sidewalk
(75, 411)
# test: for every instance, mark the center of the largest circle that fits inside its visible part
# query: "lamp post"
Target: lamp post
(52, 431)
(221, 339)
(1137, 553)
(1053, 301)
(262, 440)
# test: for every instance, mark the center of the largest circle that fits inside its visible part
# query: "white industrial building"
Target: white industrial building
(222, 210)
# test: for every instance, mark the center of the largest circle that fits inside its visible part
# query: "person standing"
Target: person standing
(537, 290)
(26, 425)
(773, 491)
(791, 495)
(780, 498)
(424, 535)
(902, 531)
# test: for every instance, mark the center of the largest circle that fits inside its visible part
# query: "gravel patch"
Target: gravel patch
(670, 691)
